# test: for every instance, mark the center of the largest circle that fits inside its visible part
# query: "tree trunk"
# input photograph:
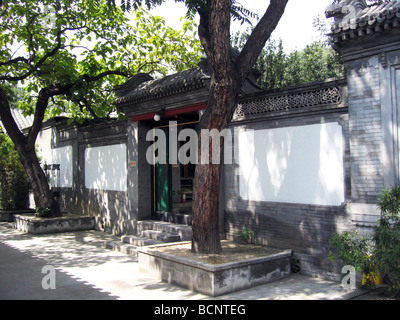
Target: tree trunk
(206, 185)
(227, 77)
(41, 190)
(220, 107)
(221, 102)
(205, 223)
(26, 148)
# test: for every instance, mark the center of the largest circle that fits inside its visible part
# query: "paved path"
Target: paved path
(86, 271)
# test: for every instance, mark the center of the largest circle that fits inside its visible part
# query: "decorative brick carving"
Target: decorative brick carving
(287, 102)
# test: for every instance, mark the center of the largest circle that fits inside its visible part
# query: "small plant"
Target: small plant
(42, 212)
(246, 236)
(352, 249)
(387, 238)
(355, 251)
(295, 265)
(380, 252)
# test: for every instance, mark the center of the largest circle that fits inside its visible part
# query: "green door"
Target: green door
(163, 181)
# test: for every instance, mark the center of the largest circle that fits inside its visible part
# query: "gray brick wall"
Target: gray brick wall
(139, 172)
(111, 208)
(365, 129)
(306, 229)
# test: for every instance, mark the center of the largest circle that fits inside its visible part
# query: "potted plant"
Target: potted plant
(355, 250)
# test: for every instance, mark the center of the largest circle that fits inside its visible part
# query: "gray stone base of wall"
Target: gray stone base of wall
(209, 279)
(32, 224)
(306, 229)
(319, 267)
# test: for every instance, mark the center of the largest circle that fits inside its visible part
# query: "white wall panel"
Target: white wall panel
(63, 157)
(106, 168)
(301, 164)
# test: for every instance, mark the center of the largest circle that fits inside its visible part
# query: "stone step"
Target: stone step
(138, 241)
(150, 232)
(129, 244)
(119, 246)
(161, 236)
(184, 231)
(179, 217)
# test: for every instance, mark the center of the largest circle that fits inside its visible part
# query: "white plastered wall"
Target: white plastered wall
(106, 168)
(302, 164)
(61, 156)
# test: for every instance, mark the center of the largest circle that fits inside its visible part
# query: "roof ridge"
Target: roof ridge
(186, 80)
(354, 18)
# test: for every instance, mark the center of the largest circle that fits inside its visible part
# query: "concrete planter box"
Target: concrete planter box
(8, 216)
(32, 224)
(213, 279)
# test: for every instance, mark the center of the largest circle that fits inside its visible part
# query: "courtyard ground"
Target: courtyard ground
(87, 271)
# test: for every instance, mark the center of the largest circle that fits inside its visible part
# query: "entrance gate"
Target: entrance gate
(173, 183)
(163, 180)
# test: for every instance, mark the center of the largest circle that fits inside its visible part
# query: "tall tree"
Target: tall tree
(67, 55)
(227, 77)
(228, 74)
(316, 62)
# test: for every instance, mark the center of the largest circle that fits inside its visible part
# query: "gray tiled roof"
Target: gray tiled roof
(141, 88)
(354, 18)
(21, 120)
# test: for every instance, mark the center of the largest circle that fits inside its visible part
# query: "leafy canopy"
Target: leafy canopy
(84, 48)
(238, 11)
(316, 62)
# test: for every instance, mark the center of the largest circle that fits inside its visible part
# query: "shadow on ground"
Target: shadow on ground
(26, 284)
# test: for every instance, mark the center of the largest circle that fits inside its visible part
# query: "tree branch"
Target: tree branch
(41, 61)
(30, 46)
(15, 60)
(46, 93)
(41, 105)
(35, 67)
(204, 33)
(8, 120)
(88, 78)
(259, 36)
(203, 9)
(83, 103)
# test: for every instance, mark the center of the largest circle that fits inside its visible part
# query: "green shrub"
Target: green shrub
(43, 212)
(353, 249)
(380, 251)
(14, 185)
(245, 236)
(387, 237)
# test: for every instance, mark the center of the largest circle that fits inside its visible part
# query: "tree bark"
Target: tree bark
(205, 222)
(26, 148)
(41, 191)
(227, 78)
(215, 36)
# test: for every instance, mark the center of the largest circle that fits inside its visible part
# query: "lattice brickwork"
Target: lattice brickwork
(287, 102)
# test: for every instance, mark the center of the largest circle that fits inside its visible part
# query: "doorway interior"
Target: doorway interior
(173, 182)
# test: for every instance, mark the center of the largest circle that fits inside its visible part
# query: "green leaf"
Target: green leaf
(90, 38)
